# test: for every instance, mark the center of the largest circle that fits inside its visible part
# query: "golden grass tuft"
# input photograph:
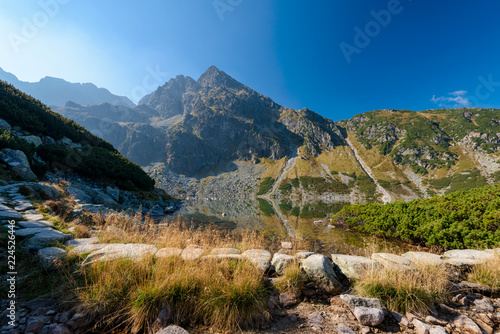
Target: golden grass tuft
(413, 290)
(487, 273)
(292, 280)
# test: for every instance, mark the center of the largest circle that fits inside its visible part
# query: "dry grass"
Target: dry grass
(292, 280)
(410, 290)
(487, 273)
(224, 294)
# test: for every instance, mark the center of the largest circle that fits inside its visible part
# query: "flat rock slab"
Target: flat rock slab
(169, 251)
(466, 324)
(51, 257)
(352, 302)
(10, 214)
(82, 241)
(423, 258)
(259, 257)
(392, 260)
(5, 207)
(464, 257)
(353, 267)
(34, 224)
(32, 230)
(222, 256)
(44, 238)
(116, 251)
(23, 207)
(87, 248)
(33, 217)
(219, 251)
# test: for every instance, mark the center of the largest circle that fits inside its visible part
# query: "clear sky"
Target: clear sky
(336, 57)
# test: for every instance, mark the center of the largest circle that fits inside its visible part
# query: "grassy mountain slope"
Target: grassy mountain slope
(86, 154)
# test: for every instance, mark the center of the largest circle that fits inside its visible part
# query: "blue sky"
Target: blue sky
(419, 54)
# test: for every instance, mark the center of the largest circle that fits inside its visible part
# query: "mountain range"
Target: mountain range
(56, 92)
(215, 137)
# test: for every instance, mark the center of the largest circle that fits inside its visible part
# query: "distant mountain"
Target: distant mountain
(56, 92)
(215, 137)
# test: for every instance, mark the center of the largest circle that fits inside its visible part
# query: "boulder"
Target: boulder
(484, 304)
(466, 257)
(156, 211)
(392, 260)
(113, 192)
(303, 255)
(192, 252)
(115, 251)
(320, 271)
(44, 238)
(353, 267)
(259, 257)
(173, 329)
(224, 251)
(368, 316)
(18, 163)
(33, 140)
(421, 327)
(87, 248)
(51, 257)
(466, 324)
(46, 191)
(102, 198)
(55, 329)
(4, 125)
(169, 251)
(423, 258)
(352, 302)
(281, 261)
(288, 299)
(79, 195)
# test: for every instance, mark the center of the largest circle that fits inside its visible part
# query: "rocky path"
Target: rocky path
(386, 197)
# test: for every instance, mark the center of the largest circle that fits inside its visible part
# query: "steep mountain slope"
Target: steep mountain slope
(54, 91)
(50, 141)
(216, 138)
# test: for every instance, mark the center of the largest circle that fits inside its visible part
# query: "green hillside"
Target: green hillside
(463, 219)
(90, 156)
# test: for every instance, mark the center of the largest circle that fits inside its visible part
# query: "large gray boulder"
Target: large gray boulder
(113, 192)
(423, 258)
(466, 257)
(18, 163)
(258, 257)
(116, 251)
(392, 261)
(33, 140)
(354, 267)
(102, 198)
(192, 252)
(79, 195)
(320, 271)
(46, 191)
(281, 261)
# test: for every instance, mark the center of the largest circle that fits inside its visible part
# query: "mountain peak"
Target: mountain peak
(216, 78)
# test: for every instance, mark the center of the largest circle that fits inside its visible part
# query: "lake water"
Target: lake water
(308, 222)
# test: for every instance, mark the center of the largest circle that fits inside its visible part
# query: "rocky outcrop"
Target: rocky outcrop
(18, 163)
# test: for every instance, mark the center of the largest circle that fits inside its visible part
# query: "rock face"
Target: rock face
(319, 269)
(18, 163)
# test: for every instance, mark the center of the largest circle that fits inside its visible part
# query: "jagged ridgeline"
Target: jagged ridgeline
(65, 145)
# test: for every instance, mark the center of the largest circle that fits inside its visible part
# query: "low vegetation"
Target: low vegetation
(463, 219)
(265, 185)
(487, 274)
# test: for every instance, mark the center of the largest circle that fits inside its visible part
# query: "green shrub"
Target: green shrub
(265, 185)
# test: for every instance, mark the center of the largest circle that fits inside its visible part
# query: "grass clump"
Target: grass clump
(265, 185)
(487, 273)
(224, 294)
(292, 280)
(414, 290)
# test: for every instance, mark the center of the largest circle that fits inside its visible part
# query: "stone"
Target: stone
(55, 329)
(18, 163)
(434, 321)
(33, 140)
(44, 238)
(353, 267)
(368, 316)
(114, 193)
(320, 271)
(281, 261)
(315, 319)
(107, 201)
(4, 124)
(286, 245)
(484, 304)
(169, 251)
(117, 251)
(446, 309)
(487, 328)
(10, 214)
(51, 257)
(40, 303)
(79, 195)
(437, 330)
(259, 257)
(224, 251)
(420, 326)
(35, 224)
(65, 317)
(32, 217)
(78, 321)
(32, 230)
(87, 248)
(222, 256)
(35, 324)
(46, 191)
(192, 252)
(173, 329)
(82, 241)
(163, 319)
(353, 301)
(303, 255)
(392, 260)
(343, 329)
(465, 323)
(402, 320)
(288, 299)
(465, 257)
(23, 207)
